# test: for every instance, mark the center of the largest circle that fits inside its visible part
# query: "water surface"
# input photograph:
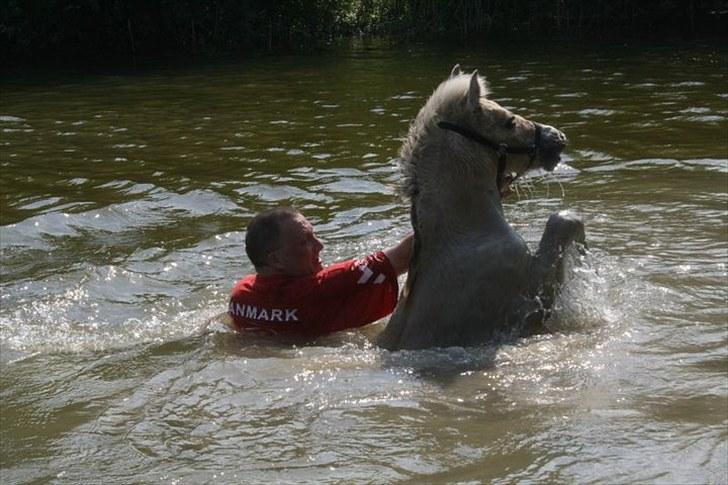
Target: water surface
(123, 208)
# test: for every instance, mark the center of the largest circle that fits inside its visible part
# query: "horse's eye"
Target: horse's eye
(511, 123)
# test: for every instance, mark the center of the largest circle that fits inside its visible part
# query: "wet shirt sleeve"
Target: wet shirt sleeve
(357, 292)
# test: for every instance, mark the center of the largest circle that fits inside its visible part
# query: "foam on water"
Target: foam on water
(52, 326)
(81, 318)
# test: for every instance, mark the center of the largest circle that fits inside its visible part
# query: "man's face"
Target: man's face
(298, 250)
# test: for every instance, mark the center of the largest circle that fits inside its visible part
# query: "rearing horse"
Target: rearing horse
(471, 277)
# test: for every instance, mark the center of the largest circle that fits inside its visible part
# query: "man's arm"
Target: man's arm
(399, 255)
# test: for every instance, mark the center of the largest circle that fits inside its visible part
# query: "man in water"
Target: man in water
(292, 293)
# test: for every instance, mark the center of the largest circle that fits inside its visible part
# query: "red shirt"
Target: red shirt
(345, 295)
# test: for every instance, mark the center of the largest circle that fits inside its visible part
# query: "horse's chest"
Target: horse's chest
(495, 267)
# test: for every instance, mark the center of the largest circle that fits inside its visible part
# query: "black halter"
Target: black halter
(502, 149)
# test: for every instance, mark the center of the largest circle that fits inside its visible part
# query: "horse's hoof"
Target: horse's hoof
(565, 227)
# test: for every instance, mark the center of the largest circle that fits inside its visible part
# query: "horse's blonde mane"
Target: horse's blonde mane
(447, 102)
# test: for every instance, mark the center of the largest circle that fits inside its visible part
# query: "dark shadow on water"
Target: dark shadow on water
(442, 365)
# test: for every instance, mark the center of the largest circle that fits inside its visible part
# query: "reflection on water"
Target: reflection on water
(123, 206)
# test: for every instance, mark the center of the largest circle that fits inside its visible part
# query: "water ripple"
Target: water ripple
(124, 206)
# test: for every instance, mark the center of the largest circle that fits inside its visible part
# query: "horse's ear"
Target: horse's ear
(455, 71)
(474, 92)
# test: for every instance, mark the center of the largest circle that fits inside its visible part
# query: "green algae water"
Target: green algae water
(122, 215)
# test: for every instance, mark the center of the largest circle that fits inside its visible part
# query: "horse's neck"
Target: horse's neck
(457, 193)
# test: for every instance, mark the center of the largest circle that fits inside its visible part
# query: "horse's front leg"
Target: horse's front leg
(563, 230)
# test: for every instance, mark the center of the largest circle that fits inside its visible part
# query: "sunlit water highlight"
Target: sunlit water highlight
(124, 202)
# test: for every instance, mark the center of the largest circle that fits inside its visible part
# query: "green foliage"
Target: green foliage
(572, 18)
(109, 30)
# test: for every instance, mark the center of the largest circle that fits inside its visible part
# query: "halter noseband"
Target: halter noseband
(502, 149)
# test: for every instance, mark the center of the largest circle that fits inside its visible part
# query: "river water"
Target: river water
(123, 210)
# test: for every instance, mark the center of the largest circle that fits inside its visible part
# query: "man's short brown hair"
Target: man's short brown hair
(263, 235)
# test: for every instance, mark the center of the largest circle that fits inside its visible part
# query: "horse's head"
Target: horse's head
(515, 143)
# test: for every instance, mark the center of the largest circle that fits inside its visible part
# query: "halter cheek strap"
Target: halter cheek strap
(501, 149)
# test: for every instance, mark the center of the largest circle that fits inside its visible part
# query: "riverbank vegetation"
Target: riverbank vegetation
(33, 32)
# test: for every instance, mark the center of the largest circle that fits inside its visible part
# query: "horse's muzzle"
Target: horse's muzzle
(552, 143)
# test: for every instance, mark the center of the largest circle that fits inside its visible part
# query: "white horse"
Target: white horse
(471, 277)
